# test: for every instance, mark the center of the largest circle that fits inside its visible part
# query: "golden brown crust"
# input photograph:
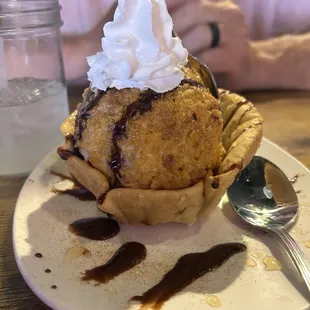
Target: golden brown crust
(97, 136)
(68, 126)
(186, 123)
(242, 135)
(193, 74)
(174, 145)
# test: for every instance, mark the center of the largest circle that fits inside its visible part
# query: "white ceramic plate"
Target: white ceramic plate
(40, 225)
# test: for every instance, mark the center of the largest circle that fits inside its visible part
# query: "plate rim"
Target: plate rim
(34, 286)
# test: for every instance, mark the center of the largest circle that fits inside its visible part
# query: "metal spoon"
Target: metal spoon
(204, 72)
(264, 198)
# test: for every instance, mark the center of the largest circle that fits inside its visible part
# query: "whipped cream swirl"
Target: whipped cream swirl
(139, 50)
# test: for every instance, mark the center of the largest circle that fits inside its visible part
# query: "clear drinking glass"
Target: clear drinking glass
(33, 95)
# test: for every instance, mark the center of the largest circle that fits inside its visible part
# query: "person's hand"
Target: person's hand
(229, 60)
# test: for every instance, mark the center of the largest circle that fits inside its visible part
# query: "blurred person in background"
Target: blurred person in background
(248, 44)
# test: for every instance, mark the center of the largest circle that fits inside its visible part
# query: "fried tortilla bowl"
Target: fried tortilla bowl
(241, 137)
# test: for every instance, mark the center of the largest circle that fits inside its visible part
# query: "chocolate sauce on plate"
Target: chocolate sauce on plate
(38, 255)
(95, 228)
(62, 176)
(81, 193)
(126, 257)
(188, 268)
(77, 190)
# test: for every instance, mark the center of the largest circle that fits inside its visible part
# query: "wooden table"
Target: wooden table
(287, 122)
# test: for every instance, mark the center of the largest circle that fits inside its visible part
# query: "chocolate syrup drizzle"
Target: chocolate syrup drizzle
(188, 268)
(141, 106)
(77, 190)
(125, 258)
(192, 83)
(95, 228)
(91, 100)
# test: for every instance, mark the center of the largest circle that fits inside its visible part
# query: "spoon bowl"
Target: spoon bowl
(264, 197)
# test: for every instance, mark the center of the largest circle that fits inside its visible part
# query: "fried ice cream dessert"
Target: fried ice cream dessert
(155, 146)
(148, 140)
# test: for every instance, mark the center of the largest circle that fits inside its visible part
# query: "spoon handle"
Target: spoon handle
(299, 258)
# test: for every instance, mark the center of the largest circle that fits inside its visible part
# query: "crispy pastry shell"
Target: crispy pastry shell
(242, 135)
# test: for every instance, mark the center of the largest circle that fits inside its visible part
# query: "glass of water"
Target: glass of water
(33, 95)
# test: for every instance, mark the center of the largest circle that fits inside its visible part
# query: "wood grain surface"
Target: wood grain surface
(287, 123)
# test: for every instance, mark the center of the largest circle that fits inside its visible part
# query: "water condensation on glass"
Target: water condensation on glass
(33, 96)
(31, 112)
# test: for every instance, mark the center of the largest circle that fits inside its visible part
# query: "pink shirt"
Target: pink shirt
(271, 18)
(81, 16)
(265, 18)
